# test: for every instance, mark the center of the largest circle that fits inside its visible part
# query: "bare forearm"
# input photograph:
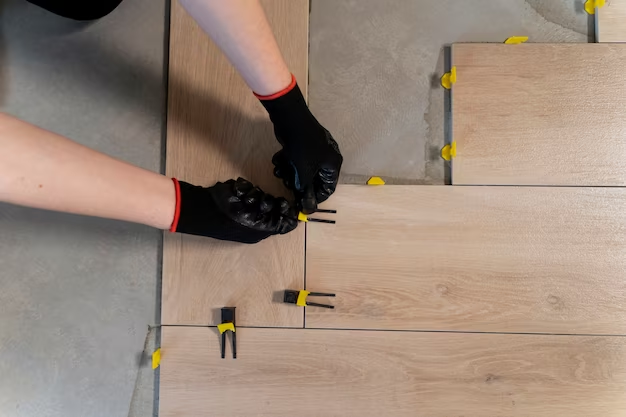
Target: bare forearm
(44, 170)
(240, 29)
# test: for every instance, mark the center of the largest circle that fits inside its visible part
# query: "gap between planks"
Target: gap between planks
(404, 330)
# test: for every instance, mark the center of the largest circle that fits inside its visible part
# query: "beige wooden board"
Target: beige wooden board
(503, 259)
(218, 130)
(302, 372)
(539, 114)
(611, 21)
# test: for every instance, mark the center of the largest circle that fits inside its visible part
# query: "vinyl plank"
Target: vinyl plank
(286, 372)
(496, 259)
(217, 130)
(539, 114)
(611, 21)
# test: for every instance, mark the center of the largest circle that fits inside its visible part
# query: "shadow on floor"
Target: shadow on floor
(253, 142)
(254, 145)
(54, 26)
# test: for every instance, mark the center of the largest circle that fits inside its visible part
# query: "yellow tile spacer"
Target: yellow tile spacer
(515, 40)
(156, 358)
(449, 78)
(591, 5)
(226, 326)
(302, 295)
(449, 151)
(302, 217)
(375, 181)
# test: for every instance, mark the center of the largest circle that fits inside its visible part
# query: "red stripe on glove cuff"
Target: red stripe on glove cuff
(281, 92)
(177, 210)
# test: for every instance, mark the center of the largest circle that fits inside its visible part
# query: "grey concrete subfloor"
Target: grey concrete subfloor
(78, 294)
(374, 69)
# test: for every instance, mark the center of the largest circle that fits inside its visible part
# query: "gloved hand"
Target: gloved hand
(231, 210)
(310, 161)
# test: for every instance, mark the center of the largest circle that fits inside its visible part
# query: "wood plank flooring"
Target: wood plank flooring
(217, 130)
(287, 372)
(498, 259)
(611, 21)
(497, 263)
(539, 114)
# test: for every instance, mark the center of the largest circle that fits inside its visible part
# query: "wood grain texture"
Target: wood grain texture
(611, 21)
(287, 372)
(539, 114)
(505, 259)
(218, 130)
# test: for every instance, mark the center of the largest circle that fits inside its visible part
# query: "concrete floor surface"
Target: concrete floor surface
(78, 294)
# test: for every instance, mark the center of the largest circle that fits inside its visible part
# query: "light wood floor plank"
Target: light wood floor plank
(504, 259)
(217, 130)
(301, 372)
(539, 114)
(611, 21)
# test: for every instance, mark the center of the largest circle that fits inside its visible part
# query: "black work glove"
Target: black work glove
(231, 210)
(310, 161)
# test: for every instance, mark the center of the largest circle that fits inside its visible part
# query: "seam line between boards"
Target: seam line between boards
(405, 330)
(304, 273)
(537, 186)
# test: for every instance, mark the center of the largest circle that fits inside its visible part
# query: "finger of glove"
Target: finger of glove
(283, 217)
(267, 205)
(325, 183)
(245, 204)
(307, 200)
(296, 178)
(264, 212)
(240, 187)
(282, 164)
(287, 182)
(258, 209)
(253, 198)
(280, 158)
(284, 170)
(288, 216)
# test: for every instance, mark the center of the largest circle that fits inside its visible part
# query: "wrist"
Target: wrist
(196, 211)
(154, 202)
(164, 205)
(290, 115)
(279, 92)
(174, 223)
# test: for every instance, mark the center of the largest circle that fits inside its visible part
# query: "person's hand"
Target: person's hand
(310, 161)
(232, 210)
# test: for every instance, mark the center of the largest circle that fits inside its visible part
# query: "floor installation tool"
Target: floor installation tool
(299, 298)
(228, 325)
(304, 218)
